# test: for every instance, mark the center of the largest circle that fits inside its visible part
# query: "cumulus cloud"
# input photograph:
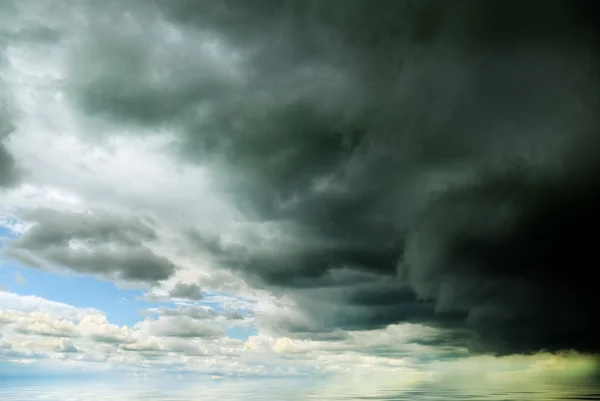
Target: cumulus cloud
(410, 162)
(88, 336)
(37, 323)
(99, 329)
(31, 303)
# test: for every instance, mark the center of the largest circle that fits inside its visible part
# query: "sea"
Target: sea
(286, 390)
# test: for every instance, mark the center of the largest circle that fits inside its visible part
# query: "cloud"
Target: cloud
(194, 312)
(57, 228)
(179, 291)
(98, 328)
(366, 157)
(66, 346)
(227, 318)
(88, 337)
(184, 347)
(180, 326)
(32, 303)
(42, 324)
(233, 314)
(186, 291)
(167, 345)
(9, 172)
(499, 249)
(338, 175)
(100, 243)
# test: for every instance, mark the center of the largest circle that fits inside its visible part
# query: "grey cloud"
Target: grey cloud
(324, 311)
(194, 312)
(108, 339)
(46, 331)
(9, 172)
(112, 245)
(151, 348)
(56, 228)
(184, 327)
(186, 291)
(233, 314)
(221, 281)
(133, 264)
(360, 133)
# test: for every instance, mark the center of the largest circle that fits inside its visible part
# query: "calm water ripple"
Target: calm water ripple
(275, 390)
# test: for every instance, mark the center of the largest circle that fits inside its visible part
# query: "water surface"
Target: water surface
(284, 390)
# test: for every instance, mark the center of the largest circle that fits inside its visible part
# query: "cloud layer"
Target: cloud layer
(404, 163)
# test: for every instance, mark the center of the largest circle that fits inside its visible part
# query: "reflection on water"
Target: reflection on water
(283, 390)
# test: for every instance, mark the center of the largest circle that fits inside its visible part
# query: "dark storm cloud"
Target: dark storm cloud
(357, 134)
(349, 299)
(513, 251)
(99, 243)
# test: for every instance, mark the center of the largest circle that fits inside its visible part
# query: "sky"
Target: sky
(382, 191)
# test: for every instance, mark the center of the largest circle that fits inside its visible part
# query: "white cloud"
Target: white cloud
(43, 324)
(98, 328)
(32, 303)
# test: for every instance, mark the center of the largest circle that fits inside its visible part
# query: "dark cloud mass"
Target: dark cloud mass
(423, 161)
(513, 252)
